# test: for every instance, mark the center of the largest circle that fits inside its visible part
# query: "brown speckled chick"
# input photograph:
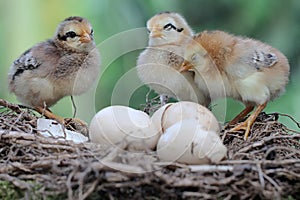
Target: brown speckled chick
(68, 64)
(242, 68)
(158, 64)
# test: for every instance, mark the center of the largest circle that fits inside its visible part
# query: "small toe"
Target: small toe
(75, 120)
(242, 126)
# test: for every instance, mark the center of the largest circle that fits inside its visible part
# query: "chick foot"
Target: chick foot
(246, 125)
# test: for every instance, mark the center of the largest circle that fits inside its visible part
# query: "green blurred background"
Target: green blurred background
(24, 23)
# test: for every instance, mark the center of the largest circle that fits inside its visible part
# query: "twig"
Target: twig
(17, 120)
(267, 139)
(91, 188)
(269, 162)
(74, 106)
(260, 175)
(277, 171)
(292, 118)
(272, 182)
(11, 106)
(17, 182)
(210, 168)
(288, 149)
(69, 184)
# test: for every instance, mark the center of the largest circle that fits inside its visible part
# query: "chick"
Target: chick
(158, 64)
(242, 68)
(65, 65)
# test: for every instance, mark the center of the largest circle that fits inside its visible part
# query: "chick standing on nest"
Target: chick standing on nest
(158, 65)
(66, 65)
(250, 71)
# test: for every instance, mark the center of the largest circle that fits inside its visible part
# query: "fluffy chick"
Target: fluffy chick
(158, 64)
(242, 68)
(68, 64)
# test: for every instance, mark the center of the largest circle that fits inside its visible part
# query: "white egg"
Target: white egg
(118, 124)
(172, 113)
(189, 142)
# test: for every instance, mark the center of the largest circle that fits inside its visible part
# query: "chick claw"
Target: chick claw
(74, 120)
(246, 125)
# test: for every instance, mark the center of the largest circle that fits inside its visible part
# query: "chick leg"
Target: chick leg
(246, 125)
(242, 114)
(65, 121)
(49, 114)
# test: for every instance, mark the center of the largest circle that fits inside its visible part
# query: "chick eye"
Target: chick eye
(92, 32)
(71, 34)
(169, 26)
(148, 31)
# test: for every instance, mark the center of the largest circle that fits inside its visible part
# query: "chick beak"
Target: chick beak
(85, 38)
(156, 34)
(186, 65)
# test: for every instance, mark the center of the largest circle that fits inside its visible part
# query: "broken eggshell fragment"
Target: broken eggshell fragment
(116, 125)
(189, 142)
(51, 128)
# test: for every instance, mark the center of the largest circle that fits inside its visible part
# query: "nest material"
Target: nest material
(266, 166)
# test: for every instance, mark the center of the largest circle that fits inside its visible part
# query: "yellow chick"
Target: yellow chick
(242, 68)
(65, 65)
(158, 64)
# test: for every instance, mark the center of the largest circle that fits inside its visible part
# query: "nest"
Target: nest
(265, 166)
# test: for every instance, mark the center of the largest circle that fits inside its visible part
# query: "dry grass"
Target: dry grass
(266, 166)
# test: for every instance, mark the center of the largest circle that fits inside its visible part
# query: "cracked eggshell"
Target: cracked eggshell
(157, 117)
(172, 113)
(117, 124)
(188, 142)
